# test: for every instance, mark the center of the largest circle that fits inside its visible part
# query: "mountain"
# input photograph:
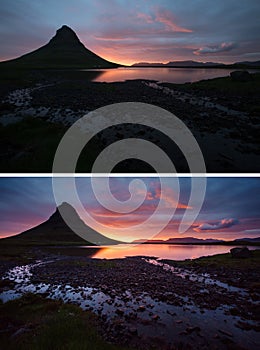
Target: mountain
(250, 240)
(179, 240)
(64, 50)
(55, 230)
(153, 241)
(195, 64)
(192, 64)
(145, 64)
(192, 240)
(178, 64)
(248, 63)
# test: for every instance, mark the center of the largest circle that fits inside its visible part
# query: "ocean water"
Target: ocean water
(162, 251)
(170, 75)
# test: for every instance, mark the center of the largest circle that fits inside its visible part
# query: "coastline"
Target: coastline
(218, 112)
(140, 295)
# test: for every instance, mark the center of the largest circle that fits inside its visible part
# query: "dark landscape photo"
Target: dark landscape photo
(62, 60)
(130, 289)
(102, 247)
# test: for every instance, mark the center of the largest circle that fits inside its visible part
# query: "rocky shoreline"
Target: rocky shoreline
(143, 302)
(225, 130)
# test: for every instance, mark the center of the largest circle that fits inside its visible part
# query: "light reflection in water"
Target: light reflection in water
(163, 251)
(171, 75)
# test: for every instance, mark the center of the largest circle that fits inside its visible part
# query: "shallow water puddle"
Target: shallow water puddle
(203, 278)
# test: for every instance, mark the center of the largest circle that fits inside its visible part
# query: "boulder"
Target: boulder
(241, 76)
(240, 253)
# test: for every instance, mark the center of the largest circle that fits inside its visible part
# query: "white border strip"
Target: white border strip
(16, 175)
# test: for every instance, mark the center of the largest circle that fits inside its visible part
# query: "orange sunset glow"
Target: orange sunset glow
(216, 219)
(138, 31)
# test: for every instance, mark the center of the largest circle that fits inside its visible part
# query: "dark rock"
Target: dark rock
(120, 311)
(240, 253)
(133, 330)
(6, 284)
(20, 332)
(244, 325)
(192, 329)
(141, 308)
(225, 332)
(155, 317)
(241, 76)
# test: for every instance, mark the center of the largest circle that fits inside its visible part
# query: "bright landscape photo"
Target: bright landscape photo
(134, 290)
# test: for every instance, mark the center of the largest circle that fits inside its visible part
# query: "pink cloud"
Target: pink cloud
(219, 225)
(153, 196)
(168, 196)
(161, 22)
(167, 18)
(211, 49)
(145, 17)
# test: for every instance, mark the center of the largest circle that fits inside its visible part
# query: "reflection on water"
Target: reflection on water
(171, 75)
(162, 251)
(194, 277)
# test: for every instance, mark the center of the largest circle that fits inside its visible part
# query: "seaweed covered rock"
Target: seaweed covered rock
(240, 253)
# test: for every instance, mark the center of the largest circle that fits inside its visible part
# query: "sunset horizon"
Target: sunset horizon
(129, 187)
(214, 221)
(140, 32)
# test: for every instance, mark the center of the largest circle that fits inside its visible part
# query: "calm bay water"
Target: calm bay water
(170, 75)
(162, 251)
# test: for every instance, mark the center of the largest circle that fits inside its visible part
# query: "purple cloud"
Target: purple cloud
(225, 223)
(223, 47)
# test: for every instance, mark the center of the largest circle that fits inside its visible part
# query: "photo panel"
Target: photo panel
(141, 251)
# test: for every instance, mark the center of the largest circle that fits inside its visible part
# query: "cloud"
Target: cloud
(167, 18)
(168, 199)
(104, 25)
(145, 17)
(254, 230)
(211, 49)
(168, 196)
(225, 223)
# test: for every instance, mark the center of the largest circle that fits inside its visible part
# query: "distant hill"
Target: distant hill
(146, 64)
(193, 240)
(179, 240)
(195, 64)
(55, 230)
(64, 50)
(251, 240)
(248, 63)
(153, 241)
(192, 64)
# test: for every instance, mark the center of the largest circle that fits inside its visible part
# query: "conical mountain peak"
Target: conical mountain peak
(64, 50)
(65, 205)
(65, 36)
(65, 28)
(55, 229)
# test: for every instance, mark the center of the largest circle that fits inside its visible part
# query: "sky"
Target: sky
(230, 210)
(126, 31)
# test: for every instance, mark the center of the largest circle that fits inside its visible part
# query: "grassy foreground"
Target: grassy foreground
(239, 95)
(223, 260)
(33, 322)
(30, 146)
(223, 85)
